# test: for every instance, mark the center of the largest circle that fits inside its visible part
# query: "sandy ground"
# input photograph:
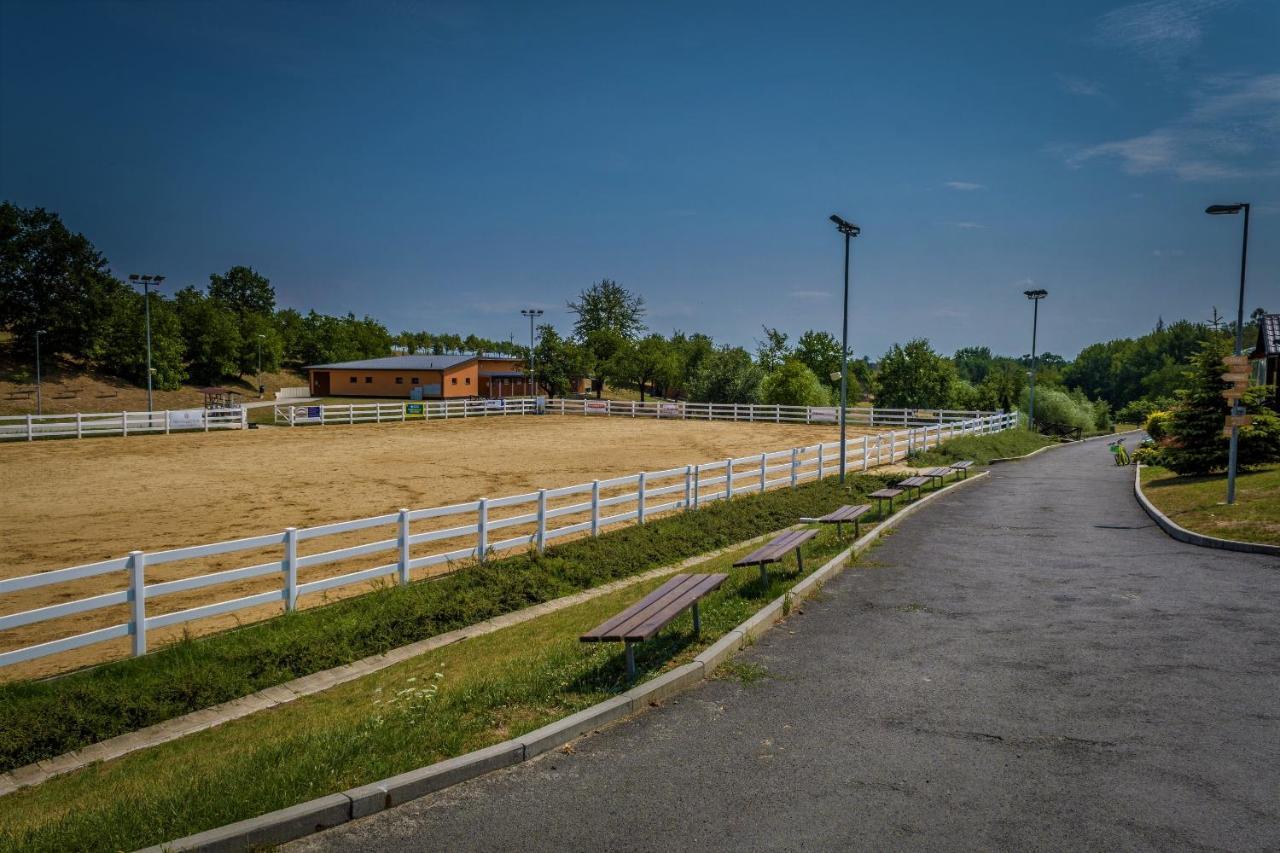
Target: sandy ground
(67, 503)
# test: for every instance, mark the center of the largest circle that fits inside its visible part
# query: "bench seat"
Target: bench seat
(846, 514)
(644, 619)
(882, 495)
(939, 474)
(962, 467)
(776, 549)
(916, 483)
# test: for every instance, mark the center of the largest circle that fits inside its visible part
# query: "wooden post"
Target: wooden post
(80, 425)
(138, 601)
(124, 423)
(864, 453)
(821, 469)
(640, 499)
(595, 507)
(290, 569)
(482, 529)
(402, 539)
(697, 485)
(540, 537)
(795, 470)
(728, 478)
(688, 487)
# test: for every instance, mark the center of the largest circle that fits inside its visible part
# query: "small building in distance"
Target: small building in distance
(1268, 352)
(424, 377)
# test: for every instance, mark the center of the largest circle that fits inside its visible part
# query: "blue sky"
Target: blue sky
(440, 165)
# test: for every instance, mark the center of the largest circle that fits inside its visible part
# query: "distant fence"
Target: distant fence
(354, 413)
(486, 527)
(293, 392)
(84, 425)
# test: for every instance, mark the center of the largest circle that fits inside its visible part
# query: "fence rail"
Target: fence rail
(86, 424)
(476, 530)
(413, 410)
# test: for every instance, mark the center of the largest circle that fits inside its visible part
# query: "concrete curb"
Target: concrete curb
(1182, 534)
(1055, 446)
(314, 816)
(316, 682)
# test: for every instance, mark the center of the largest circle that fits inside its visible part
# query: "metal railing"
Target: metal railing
(475, 530)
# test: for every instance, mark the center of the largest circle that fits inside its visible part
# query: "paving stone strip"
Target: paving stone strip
(279, 694)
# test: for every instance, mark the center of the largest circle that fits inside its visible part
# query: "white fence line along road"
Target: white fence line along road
(487, 526)
(86, 424)
(355, 413)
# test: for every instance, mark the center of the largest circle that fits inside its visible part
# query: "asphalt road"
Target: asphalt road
(1029, 664)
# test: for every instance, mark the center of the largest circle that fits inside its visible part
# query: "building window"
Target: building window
(399, 380)
(453, 380)
(368, 380)
(353, 379)
(415, 381)
(468, 380)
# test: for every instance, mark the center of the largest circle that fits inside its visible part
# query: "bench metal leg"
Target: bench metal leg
(840, 529)
(799, 562)
(764, 574)
(631, 661)
(857, 528)
(697, 620)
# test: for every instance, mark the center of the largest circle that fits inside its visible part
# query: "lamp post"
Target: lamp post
(147, 282)
(260, 340)
(849, 230)
(1237, 409)
(1035, 296)
(39, 397)
(532, 314)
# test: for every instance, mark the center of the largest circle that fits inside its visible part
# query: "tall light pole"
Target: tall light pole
(849, 230)
(532, 314)
(261, 338)
(1035, 296)
(147, 282)
(39, 398)
(1237, 409)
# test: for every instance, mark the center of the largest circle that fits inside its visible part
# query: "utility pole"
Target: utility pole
(147, 282)
(849, 230)
(532, 314)
(1035, 296)
(1237, 410)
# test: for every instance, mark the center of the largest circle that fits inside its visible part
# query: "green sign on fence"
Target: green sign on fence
(413, 408)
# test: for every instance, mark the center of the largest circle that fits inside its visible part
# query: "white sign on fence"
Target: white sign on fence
(669, 409)
(186, 418)
(595, 407)
(823, 415)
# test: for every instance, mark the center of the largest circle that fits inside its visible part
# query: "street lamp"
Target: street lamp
(532, 314)
(261, 338)
(1237, 409)
(1035, 296)
(147, 282)
(849, 230)
(39, 398)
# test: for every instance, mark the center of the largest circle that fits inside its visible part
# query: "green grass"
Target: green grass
(42, 719)
(1198, 503)
(982, 448)
(462, 697)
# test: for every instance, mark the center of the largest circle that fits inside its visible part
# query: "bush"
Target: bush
(793, 384)
(1059, 408)
(1157, 425)
(1137, 411)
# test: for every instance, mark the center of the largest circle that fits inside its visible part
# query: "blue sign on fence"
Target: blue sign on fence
(313, 411)
(413, 408)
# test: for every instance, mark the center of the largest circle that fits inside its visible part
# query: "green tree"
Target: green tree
(726, 375)
(243, 291)
(606, 357)
(643, 362)
(1196, 424)
(793, 384)
(1002, 387)
(121, 346)
(560, 362)
(773, 350)
(820, 352)
(607, 306)
(51, 279)
(270, 346)
(914, 377)
(211, 333)
(973, 363)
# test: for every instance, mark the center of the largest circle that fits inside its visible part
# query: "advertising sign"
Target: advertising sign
(493, 404)
(186, 419)
(823, 415)
(595, 407)
(413, 408)
(669, 409)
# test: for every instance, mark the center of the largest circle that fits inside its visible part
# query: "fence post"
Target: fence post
(640, 500)
(688, 484)
(540, 537)
(80, 425)
(728, 477)
(777, 414)
(764, 471)
(290, 569)
(633, 408)
(795, 471)
(402, 539)
(864, 453)
(204, 419)
(697, 486)
(138, 601)
(124, 423)
(482, 529)
(30, 433)
(595, 507)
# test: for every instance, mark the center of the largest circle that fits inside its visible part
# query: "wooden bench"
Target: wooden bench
(938, 474)
(882, 495)
(776, 550)
(962, 467)
(916, 483)
(644, 619)
(844, 515)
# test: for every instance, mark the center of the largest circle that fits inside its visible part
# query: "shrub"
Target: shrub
(1137, 411)
(1058, 407)
(1157, 425)
(794, 384)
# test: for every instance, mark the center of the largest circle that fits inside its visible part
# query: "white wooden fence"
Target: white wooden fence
(86, 424)
(413, 410)
(478, 529)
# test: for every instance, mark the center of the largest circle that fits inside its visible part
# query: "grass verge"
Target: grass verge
(444, 703)
(43, 719)
(983, 448)
(1197, 503)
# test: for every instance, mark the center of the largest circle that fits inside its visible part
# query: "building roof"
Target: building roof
(502, 374)
(1268, 337)
(398, 362)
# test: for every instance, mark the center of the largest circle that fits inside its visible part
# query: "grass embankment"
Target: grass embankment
(42, 719)
(444, 703)
(983, 448)
(1197, 503)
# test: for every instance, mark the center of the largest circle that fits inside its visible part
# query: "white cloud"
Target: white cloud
(1162, 31)
(1079, 86)
(969, 225)
(810, 294)
(964, 186)
(1168, 253)
(1229, 132)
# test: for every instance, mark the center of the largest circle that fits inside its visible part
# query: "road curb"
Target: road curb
(1190, 537)
(1054, 446)
(327, 812)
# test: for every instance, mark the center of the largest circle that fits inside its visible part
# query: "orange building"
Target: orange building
(432, 377)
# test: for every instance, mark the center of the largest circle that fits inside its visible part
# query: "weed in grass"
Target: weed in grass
(744, 672)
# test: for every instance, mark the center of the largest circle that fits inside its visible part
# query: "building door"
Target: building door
(320, 383)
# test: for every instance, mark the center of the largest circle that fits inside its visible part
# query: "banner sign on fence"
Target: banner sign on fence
(413, 408)
(186, 418)
(493, 404)
(823, 415)
(595, 407)
(669, 409)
